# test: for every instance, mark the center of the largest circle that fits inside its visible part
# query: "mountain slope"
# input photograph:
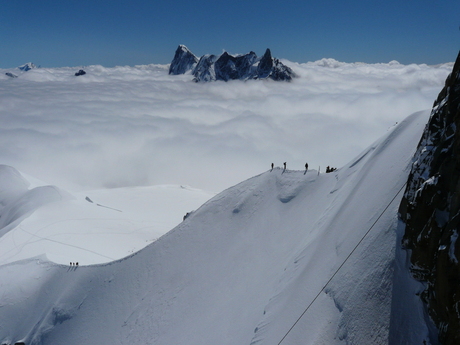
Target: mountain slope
(242, 269)
(184, 60)
(91, 227)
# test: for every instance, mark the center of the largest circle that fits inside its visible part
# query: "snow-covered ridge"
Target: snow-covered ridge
(18, 202)
(247, 262)
(91, 227)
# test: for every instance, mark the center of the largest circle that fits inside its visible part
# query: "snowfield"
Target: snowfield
(87, 227)
(285, 257)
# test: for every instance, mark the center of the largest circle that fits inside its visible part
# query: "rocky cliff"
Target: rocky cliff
(204, 70)
(430, 210)
(228, 67)
(184, 60)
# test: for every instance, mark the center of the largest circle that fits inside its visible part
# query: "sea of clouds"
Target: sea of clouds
(137, 126)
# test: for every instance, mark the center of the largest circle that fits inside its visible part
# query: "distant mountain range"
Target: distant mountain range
(229, 67)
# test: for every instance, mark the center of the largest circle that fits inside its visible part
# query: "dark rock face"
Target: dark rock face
(244, 64)
(228, 67)
(183, 61)
(225, 67)
(11, 75)
(273, 68)
(80, 72)
(265, 65)
(280, 72)
(430, 210)
(204, 70)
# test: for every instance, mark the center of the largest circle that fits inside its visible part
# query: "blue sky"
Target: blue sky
(110, 33)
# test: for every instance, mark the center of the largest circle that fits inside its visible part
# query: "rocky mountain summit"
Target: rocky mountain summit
(430, 210)
(27, 67)
(229, 67)
(184, 60)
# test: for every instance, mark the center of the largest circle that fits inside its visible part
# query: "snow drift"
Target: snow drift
(285, 257)
(17, 201)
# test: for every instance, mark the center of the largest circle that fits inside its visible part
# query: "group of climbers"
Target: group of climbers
(328, 169)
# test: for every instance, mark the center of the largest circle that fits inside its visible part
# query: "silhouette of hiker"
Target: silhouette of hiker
(306, 166)
(284, 166)
(272, 166)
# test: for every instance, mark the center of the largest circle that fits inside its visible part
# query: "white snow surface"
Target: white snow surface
(242, 269)
(87, 227)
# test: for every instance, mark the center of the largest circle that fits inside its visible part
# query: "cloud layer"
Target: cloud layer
(133, 126)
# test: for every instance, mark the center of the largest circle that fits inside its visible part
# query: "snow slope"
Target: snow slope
(242, 269)
(89, 227)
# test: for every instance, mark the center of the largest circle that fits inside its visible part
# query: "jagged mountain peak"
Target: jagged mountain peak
(27, 67)
(204, 70)
(229, 67)
(184, 60)
(265, 65)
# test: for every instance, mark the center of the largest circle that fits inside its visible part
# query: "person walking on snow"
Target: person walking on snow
(284, 165)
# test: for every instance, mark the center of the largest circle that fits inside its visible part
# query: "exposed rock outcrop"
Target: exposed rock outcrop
(184, 60)
(11, 75)
(430, 210)
(204, 70)
(27, 67)
(79, 73)
(272, 68)
(228, 67)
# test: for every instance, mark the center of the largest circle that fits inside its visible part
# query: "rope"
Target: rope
(65, 244)
(343, 263)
